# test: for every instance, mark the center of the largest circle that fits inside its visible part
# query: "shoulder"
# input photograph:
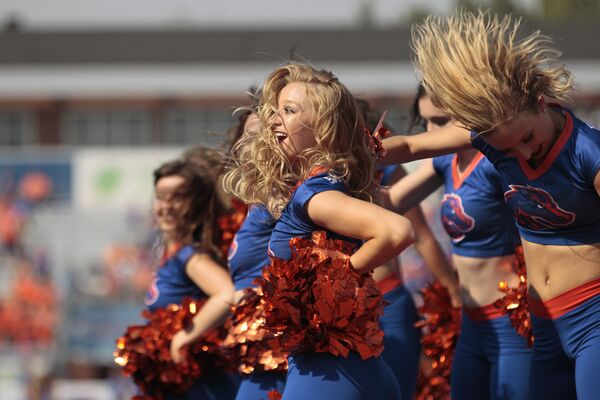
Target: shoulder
(442, 162)
(200, 261)
(586, 147)
(325, 179)
(313, 186)
(587, 135)
(319, 183)
(185, 253)
(488, 151)
(259, 213)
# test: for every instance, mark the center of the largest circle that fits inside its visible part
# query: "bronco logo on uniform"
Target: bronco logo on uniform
(232, 248)
(152, 293)
(457, 222)
(535, 208)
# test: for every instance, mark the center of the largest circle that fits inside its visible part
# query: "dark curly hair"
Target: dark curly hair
(204, 206)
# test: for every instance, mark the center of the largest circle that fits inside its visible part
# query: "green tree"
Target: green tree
(499, 7)
(417, 14)
(366, 14)
(571, 10)
(469, 5)
(505, 7)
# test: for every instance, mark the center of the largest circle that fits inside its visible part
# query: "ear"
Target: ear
(541, 104)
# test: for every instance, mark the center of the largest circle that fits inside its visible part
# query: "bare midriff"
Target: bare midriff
(553, 270)
(479, 278)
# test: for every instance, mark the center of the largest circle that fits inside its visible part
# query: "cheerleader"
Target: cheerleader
(402, 347)
(476, 70)
(183, 209)
(263, 369)
(491, 359)
(310, 164)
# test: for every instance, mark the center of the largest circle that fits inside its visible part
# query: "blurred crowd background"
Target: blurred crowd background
(94, 95)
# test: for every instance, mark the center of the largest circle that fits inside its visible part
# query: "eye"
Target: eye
(440, 121)
(289, 110)
(527, 138)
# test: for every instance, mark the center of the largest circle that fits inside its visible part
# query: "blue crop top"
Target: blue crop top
(248, 253)
(555, 203)
(171, 283)
(473, 210)
(295, 222)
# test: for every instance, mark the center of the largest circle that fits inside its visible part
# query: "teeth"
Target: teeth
(280, 135)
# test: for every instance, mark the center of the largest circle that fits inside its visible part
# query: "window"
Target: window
(188, 126)
(18, 128)
(124, 127)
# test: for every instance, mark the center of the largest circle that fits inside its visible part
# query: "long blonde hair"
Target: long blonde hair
(475, 68)
(261, 172)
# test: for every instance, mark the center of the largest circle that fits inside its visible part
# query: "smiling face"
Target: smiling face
(530, 135)
(171, 204)
(293, 123)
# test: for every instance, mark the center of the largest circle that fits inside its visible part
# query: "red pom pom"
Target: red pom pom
(230, 223)
(442, 323)
(248, 339)
(316, 301)
(514, 303)
(375, 143)
(144, 352)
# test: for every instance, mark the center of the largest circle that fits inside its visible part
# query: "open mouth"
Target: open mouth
(280, 136)
(169, 219)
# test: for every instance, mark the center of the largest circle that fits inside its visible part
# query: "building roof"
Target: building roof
(210, 46)
(213, 63)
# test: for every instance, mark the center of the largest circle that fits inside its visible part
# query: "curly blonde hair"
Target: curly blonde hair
(261, 173)
(475, 68)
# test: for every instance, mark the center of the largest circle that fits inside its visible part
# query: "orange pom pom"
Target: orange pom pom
(316, 301)
(439, 341)
(514, 303)
(144, 352)
(248, 339)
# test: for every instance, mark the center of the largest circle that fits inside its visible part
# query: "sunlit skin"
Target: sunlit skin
(530, 135)
(292, 124)
(385, 234)
(478, 277)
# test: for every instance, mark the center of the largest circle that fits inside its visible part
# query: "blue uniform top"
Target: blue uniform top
(555, 203)
(248, 253)
(473, 210)
(295, 222)
(171, 283)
